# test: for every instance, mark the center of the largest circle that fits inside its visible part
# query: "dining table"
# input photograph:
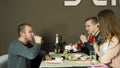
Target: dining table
(60, 61)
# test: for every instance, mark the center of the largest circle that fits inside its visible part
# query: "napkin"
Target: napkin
(104, 66)
(53, 62)
(83, 61)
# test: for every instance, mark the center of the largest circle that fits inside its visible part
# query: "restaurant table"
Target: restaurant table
(69, 63)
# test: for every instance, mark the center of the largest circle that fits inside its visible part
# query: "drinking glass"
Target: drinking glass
(93, 57)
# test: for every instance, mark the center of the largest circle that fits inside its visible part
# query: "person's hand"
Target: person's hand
(47, 57)
(83, 38)
(94, 43)
(38, 39)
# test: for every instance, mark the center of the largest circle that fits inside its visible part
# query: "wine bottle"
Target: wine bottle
(57, 47)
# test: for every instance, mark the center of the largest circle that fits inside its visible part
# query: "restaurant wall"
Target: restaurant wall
(48, 17)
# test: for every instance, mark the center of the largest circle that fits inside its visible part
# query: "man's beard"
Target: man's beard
(27, 40)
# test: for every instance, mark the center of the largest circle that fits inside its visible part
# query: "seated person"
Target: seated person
(25, 52)
(109, 49)
(92, 28)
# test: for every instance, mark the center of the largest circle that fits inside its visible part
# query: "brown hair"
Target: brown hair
(94, 19)
(108, 25)
(21, 27)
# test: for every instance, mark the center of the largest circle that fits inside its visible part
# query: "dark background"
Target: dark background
(48, 17)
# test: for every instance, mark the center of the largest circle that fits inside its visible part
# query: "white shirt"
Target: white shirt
(103, 48)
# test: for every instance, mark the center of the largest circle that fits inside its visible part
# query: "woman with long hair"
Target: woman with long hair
(109, 48)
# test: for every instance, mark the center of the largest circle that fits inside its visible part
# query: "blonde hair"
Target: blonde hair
(108, 25)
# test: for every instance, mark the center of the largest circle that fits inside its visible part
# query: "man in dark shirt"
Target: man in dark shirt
(24, 51)
(92, 28)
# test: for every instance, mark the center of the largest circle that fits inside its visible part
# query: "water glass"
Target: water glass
(93, 57)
